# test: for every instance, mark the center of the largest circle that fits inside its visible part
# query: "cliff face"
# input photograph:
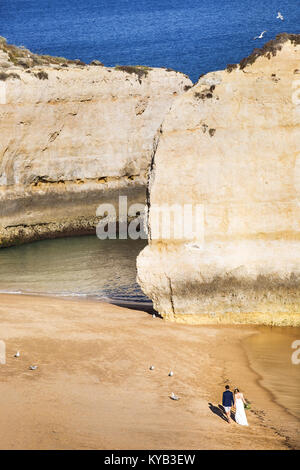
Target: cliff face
(231, 146)
(73, 136)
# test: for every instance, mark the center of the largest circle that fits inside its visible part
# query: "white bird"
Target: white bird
(151, 367)
(174, 397)
(17, 354)
(193, 246)
(153, 316)
(171, 373)
(260, 36)
(279, 16)
(33, 367)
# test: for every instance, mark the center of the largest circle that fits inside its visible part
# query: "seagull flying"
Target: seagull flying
(260, 36)
(174, 397)
(33, 367)
(17, 354)
(279, 16)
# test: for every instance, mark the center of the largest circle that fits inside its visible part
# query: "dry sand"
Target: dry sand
(93, 388)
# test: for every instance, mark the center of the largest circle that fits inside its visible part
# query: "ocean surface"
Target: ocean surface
(192, 36)
(77, 266)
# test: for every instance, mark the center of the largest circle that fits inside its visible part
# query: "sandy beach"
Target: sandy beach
(93, 388)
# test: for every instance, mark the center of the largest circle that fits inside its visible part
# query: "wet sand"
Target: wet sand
(93, 388)
(270, 354)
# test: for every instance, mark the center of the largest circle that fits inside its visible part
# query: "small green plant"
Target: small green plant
(203, 95)
(79, 62)
(140, 70)
(41, 75)
(14, 75)
(231, 67)
(48, 59)
(5, 76)
(96, 63)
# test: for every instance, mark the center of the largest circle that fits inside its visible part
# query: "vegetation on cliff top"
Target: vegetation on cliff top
(140, 70)
(269, 50)
(23, 57)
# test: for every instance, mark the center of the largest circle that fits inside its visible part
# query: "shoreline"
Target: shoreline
(273, 398)
(226, 319)
(135, 305)
(263, 380)
(93, 387)
(260, 380)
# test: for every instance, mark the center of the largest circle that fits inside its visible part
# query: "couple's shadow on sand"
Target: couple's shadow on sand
(219, 411)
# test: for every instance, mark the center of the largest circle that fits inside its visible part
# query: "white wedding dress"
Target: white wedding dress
(240, 415)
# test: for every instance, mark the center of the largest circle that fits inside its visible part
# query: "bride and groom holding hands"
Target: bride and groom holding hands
(237, 400)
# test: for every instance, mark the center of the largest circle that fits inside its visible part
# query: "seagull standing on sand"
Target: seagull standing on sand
(17, 354)
(174, 397)
(151, 367)
(279, 16)
(171, 373)
(260, 36)
(193, 246)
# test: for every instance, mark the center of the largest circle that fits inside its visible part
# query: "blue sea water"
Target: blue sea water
(192, 36)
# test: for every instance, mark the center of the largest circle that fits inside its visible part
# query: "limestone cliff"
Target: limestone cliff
(231, 146)
(73, 136)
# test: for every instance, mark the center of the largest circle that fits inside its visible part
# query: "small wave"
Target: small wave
(14, 292)
(118, 300)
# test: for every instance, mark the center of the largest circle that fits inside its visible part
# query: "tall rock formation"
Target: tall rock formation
(73, 136)
(230, 147)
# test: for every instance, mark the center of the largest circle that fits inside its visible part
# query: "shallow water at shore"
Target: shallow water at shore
(270, 355)
(76, 266)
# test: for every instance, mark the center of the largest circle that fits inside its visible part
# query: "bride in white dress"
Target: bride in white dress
(239, 402)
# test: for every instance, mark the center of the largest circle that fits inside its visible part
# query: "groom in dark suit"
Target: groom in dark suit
(228, 402)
